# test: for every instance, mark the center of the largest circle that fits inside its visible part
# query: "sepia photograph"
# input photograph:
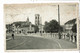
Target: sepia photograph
(41, 26)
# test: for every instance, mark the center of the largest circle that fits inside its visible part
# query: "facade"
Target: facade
(69, 25)
(26, 30)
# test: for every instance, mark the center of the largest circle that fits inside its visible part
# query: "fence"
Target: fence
(71, 37)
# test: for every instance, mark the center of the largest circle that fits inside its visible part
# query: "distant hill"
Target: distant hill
(71, 21)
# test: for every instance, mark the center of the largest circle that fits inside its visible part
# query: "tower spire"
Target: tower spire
(27, 19)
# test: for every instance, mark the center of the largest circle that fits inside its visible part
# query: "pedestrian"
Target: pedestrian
(13, 36)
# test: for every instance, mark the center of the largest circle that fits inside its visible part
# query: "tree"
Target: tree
(74, 29)
(52, 26)
(46, 27)
(17, 24)
(9, 28)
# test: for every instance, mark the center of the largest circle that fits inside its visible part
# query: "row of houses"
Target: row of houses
(24, 26)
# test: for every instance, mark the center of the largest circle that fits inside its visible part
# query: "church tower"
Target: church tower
(38, 21)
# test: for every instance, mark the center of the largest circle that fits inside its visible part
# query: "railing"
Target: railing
(71, 37)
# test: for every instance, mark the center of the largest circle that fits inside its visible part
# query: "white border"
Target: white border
(54, 49)
(2, 38)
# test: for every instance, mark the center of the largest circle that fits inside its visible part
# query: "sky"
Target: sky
(47, 11)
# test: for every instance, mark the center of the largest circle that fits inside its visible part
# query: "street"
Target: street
(33, 42)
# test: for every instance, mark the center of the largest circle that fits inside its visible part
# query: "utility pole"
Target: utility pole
(59, 22)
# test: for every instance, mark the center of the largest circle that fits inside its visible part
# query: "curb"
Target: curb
(8, 39)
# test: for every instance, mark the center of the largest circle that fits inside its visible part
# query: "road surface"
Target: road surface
(30, 42)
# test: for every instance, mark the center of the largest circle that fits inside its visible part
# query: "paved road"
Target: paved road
(30, 42)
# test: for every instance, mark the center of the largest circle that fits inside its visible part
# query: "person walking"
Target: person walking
(13, 36)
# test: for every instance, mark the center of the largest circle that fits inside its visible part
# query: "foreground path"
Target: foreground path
(33, 42)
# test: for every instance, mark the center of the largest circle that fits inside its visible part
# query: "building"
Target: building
(69, 25)
(28, 28)
(23, 26)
